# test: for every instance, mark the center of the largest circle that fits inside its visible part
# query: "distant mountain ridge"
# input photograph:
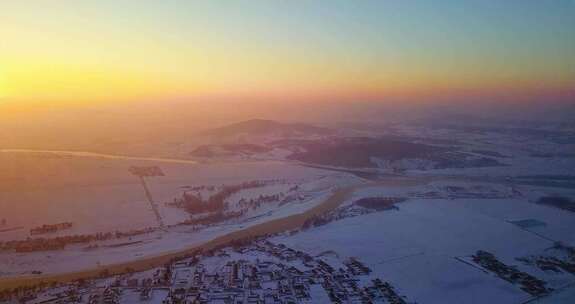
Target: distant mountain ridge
(264, 127)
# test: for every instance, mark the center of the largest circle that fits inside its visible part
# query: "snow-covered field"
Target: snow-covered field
(422, 247)
(105, 197)
(99, 195)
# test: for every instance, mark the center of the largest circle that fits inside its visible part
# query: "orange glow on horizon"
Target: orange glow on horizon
(97, 52)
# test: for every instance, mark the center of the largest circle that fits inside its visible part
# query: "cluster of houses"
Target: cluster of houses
(529, 283)
(562, 261)
(259, 273)
(550, 263)
(50, 228)
(383, 290)
(108, 296)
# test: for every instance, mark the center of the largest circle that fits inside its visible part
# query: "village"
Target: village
(528, 283)
(51, 228)
(245, 272)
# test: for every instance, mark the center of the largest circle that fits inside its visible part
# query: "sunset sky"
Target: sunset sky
(73, 51)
